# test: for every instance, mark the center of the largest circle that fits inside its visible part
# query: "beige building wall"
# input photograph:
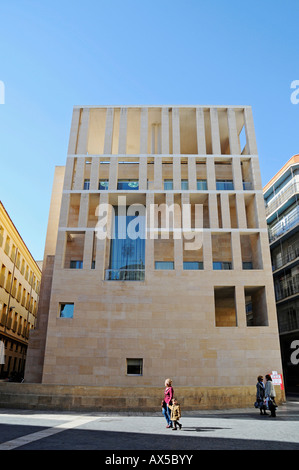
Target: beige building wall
(212, 326)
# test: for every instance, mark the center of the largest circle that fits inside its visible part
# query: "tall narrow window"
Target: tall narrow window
(127, 253)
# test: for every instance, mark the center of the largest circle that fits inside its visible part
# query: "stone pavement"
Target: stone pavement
(239, 429)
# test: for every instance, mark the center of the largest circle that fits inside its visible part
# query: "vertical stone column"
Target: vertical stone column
(176, 172)
(207, 250)
(113, 173)
(108, 131)
(122, 143)
(237, 173)
(83, 132)
(211, 176)
(225, 212)
(201, 136)
(241, 212)
(88, 248)
(158, 172)
(143, 172)
(64, 210)
(192, 183)
(72, 148)
(143, 130)
(250, 132)
(83, 211)
(94, 173)
(60, 250)
(176, 143)
(165, 131)
(234, 142)
(149, 242)
(215, 134)
(103, 245)
(236, 251)
(256, 174)
(79, 177)
(213, 210)
(68, 175)
(240, 306)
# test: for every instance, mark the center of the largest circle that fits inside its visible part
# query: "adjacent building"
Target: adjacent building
(157, 257)
(282, 210)
(19, 293)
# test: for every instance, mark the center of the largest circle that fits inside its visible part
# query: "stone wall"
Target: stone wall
(141, 399)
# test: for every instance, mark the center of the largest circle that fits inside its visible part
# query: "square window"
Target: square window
(66, 310)
(134, 366)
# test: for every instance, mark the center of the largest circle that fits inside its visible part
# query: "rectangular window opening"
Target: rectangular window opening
(134, 366)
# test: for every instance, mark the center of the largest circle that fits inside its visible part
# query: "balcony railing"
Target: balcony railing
(286, 288)
(124, 275)
(284, 225)
(281, 198)
(286, 258)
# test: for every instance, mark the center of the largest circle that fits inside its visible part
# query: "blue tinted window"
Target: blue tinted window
(66, 310)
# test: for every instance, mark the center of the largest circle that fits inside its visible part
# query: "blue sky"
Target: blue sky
(57, 54)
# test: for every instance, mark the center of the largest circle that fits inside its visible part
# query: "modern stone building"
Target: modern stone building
(19, 293)
(282, 212)
(124, 311)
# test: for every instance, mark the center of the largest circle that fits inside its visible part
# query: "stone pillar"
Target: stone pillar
(64, 210)
(143, 130)
(225, 212)
(165, 131)
(207, 251)
(176, 145)
(215, 134)
(240, 306)
(236, 251)
(234, 142)
(72, 148)
(143, 172)
(79, 177)
(211, 176)
(113, 173)
(83, 132)
(241, 212)
(201, 136)
(122, 143)
(88, 248)
(250, 132)
(83, 211)
(149, 243)
(94, 174)
(192, 179)
(68, 176)
(158, 183)
(237, 174)
(176, 173)
(108, 131)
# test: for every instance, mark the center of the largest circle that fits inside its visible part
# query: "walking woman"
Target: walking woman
(168, 396)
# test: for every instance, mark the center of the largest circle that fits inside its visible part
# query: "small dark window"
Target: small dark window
(134, 366)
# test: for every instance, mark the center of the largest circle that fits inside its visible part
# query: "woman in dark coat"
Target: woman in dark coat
(260, 394)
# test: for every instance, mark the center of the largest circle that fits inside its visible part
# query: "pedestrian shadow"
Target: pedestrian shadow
(201, 429)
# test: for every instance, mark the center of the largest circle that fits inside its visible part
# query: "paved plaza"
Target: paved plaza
(241, 429)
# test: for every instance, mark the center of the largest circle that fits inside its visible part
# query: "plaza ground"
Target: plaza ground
(237, 429)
